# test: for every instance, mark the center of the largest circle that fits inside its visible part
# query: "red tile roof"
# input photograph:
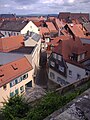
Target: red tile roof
(76, 29)
(69, 46)
(44, 30)
(37, 23)
(8, 73)
(51, 27)
(58, 23)
(10, 43)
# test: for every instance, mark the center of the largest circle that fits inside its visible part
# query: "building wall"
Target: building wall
(9, 33)
(70, 78)
(87, 41)
(30, 42)
(5, 93)
(30, 27)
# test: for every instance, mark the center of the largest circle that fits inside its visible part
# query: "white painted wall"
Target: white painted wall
(31, 27)
(30, 42)
(75, 70)
(70, 78)
(6, 33)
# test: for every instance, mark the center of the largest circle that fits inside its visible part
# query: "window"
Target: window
(14, 34)
(4, 87)
(12, 83)
(11, 94)
(17, 33)
(16, 91)
(31, 27)
(59, 57)
(55, 55)
(61, 81)
(70, 72)
(78, 76)
(25, 76)
(19, 79)
(5, 33)
(52, 64)
(61, 68)
(22, 89)
(16, 81)
(52, 75)
(81, 56)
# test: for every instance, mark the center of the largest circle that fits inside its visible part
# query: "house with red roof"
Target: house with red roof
(10, 43)
(65, 60)
(15, 77)
(17, 27)
(52, 29)
(15, 47)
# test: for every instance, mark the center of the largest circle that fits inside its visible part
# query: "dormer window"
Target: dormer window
(52, 64)
(55, 55)
(14, 67)
(59, 57)
(1, 73)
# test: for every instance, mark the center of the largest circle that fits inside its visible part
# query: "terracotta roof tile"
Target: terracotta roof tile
(8, 71)
(69, 46)
(76, 29)
(44, 30)
(51, 27)
(10, 43)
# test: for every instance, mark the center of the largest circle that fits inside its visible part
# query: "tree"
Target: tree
(15, 108)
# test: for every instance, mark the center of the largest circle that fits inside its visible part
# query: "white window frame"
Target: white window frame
(52, 75)
(59, 58)
(55, 55)
(52, 63)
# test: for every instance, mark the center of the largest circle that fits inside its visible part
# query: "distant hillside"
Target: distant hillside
(37, 15)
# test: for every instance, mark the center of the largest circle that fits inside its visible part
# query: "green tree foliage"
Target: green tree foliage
(18, 109)
(15, 108)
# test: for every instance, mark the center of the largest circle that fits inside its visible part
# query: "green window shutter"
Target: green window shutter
(10, 85)
(22, 89)
(11, 94)
(16, 82)
(16, 91)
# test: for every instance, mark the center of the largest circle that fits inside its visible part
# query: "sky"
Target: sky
(22, 7)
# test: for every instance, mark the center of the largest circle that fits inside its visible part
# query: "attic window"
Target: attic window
(1, 74)
(14, 67)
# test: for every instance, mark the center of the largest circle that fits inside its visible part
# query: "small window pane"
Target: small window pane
(16, 91)
(70, 72)
(22, 89)
(52, 75)
(11, 94)
(52, 64)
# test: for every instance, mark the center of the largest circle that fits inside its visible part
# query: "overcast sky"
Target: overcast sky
(43, 6)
